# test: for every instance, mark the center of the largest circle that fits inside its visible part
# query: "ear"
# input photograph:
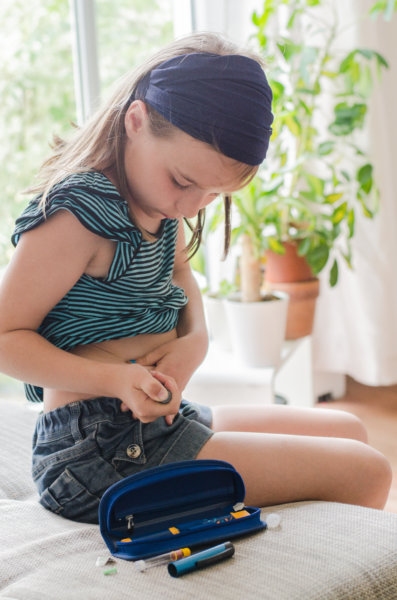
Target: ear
(136, 118)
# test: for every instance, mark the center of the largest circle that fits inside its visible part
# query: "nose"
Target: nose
(189, 206)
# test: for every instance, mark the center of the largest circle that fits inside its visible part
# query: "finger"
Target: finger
(169, 419)
(169, 383)
(166, 383)
(168, 399)
(154, 389)
(149, 359)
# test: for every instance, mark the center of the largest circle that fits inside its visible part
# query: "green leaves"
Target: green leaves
(351, 219)
(308, 59)
(332, 198)
(275, 245)
(347, 118)
(197, 261)
(251, 206)
(356, 71)
(339, 213)
(293, 124)
(325, 148)
(334, 273)
(384, 7)
(317, 174)
(365, 177)
(317, 256)
(367, 192)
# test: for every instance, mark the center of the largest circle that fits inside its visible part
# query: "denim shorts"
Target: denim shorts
(82, 448)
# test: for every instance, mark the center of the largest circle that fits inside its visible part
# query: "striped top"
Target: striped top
(137, 296)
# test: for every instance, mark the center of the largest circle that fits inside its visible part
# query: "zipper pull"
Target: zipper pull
(130, 523)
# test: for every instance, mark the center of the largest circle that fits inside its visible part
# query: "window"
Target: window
(37, 83)
(36, 87)
(128, 31)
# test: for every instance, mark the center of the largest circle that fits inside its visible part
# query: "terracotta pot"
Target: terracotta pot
(288, 266)
(302, 304)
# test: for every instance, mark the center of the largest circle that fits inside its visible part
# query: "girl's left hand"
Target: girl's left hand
(174, 396)
(178, 359)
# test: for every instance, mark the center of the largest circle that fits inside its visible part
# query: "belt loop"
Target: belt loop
(75, 410)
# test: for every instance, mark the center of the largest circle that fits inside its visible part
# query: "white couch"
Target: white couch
(322, 551)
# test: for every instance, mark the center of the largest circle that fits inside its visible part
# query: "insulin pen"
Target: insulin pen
(200, 524)
(162, 559)
(201, 559)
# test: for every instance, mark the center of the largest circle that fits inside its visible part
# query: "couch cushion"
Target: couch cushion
(321, 551)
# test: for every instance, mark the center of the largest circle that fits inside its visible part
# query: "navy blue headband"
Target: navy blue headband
(224, 100)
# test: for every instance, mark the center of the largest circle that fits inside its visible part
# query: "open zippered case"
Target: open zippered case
(183, 504)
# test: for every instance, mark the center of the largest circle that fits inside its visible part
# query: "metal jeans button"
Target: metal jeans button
(133, 451)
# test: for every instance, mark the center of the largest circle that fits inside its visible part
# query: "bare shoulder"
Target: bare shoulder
(47, 262)
(71, 236)
(63, 226)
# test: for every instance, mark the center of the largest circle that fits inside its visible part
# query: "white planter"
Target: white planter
(257, 329)
(217, 322)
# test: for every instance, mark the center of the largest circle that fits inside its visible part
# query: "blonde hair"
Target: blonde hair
(99, 144)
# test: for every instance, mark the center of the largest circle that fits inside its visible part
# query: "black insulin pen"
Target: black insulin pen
(201, 560)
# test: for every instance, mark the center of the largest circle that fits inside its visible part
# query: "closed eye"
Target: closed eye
(180, 185)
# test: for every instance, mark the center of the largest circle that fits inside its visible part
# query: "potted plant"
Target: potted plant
(250, 322)
(256, 318)
(213, 297)
(263, 253)
(317, 175)
(303, 203)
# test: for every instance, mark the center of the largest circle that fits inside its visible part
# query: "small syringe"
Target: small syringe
(162, 559)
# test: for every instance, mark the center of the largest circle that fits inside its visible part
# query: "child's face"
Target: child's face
(172, 177)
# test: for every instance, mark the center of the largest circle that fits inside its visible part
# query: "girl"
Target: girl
(100, 314)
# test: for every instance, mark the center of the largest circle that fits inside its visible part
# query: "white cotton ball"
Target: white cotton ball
(101, 561)
(140, 565)
(273, 520)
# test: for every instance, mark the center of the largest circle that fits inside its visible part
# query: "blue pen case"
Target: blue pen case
(183, 504)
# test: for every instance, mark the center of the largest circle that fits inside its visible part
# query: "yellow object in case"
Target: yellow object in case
(183, 504)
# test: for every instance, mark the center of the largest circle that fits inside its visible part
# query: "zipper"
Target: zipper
(224, 499)
(130, 523)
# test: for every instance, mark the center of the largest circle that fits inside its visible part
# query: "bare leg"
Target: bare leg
(287, 468)
(288, 420)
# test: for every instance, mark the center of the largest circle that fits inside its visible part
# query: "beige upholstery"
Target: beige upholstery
(322, 551)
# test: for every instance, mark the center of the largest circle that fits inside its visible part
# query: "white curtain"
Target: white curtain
(356, 322)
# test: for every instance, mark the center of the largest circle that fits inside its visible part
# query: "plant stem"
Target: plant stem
(250, 267)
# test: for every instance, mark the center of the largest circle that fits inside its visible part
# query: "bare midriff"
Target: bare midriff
(110, 351)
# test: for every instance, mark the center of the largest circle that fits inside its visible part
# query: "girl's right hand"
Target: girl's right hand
(142, 393)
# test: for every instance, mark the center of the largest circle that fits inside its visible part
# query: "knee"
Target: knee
(376, 478)
(358, 429)
(352, 427)
(383, 476)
